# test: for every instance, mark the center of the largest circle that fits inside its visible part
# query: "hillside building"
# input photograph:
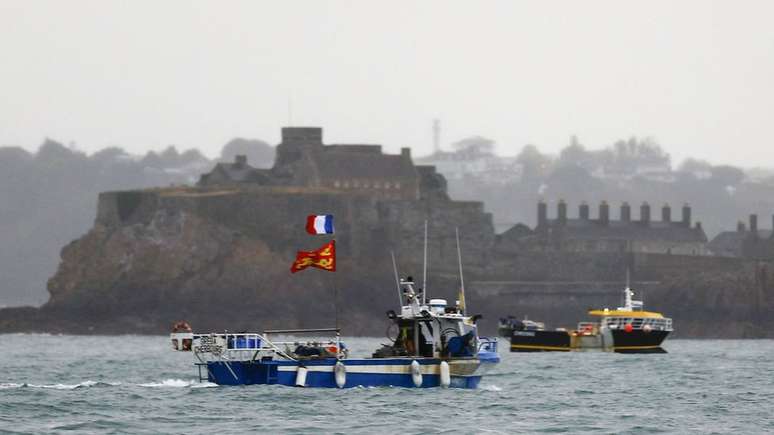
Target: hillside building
(745, 242)
(477, 165)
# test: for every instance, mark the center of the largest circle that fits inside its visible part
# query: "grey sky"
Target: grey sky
(696, 75)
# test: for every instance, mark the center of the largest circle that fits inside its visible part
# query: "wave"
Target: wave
(173, 383)
(10, 386)
(490, 388)
(178, 383)
(84, 384)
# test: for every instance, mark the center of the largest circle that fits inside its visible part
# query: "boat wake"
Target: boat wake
(489, 388)
(169, 383)
(179, 383)
(85, 384)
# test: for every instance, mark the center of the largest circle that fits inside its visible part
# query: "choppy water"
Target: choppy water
(54, 384)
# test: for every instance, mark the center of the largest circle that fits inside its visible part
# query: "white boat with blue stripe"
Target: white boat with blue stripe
(431, 345)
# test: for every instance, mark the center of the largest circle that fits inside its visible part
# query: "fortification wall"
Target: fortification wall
(366, 228)
(157, 255)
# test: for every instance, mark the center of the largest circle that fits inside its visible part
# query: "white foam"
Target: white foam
(84, 384)
(10, 386)
(491, 388)
(178, 383)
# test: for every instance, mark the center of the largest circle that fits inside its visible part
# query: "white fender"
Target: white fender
(445, 374)
(340, 373)
(301, 376)
(416, 373)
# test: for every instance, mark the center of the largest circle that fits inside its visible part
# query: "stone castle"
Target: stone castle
(303, 160)
(218, 254)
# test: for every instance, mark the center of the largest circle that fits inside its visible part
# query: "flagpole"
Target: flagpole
(397, 280)
(336, 297)
(424, 270)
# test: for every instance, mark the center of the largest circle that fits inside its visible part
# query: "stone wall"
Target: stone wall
(220, 259)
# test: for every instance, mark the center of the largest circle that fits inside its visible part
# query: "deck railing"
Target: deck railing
(640, 323)
(487, 344)
(227, 345)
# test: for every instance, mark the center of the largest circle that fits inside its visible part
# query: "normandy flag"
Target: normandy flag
(323, 258)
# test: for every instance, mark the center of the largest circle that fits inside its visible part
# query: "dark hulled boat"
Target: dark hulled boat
(627, 329)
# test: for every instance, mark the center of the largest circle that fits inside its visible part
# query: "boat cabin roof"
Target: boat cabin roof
(626, 313)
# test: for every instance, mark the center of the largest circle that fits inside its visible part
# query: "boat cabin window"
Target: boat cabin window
(415, 341)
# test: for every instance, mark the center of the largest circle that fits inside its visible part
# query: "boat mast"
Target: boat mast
(628, 287)
(397, 279)
(628, 293)
(462, 279)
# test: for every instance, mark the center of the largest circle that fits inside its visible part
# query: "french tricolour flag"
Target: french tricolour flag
(319, 224)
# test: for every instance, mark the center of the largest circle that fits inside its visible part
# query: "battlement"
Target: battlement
(585, 233)
(302, 135)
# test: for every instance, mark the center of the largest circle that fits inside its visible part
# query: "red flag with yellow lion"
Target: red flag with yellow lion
(323, 258)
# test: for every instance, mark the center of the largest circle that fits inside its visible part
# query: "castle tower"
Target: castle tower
(295, 142)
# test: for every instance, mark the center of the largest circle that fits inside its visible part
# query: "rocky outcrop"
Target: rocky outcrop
(220, 260)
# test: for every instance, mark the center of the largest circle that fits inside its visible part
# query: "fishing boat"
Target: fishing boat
(435, 345)
(506, 325)
(432, 345)
(627, 329)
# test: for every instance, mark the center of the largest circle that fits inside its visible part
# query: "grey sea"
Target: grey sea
(136, 384)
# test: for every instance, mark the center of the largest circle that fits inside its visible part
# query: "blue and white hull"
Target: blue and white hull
(366, 372)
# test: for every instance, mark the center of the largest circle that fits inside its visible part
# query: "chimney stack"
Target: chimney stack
(583, 211)
(740, 227)
(436, 136)
(666, 213)
(240, 160)
(645, 213)
(542, 213)
(604, 213)
(561, 212)
(754, 224)
(687, 215)
(626, 212)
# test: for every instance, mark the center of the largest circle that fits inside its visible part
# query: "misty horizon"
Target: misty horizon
(693, 75)
(214, 153)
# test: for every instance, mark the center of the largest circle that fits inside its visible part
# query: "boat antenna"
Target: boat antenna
(397, 280)
(424, 270)
(462, 279)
